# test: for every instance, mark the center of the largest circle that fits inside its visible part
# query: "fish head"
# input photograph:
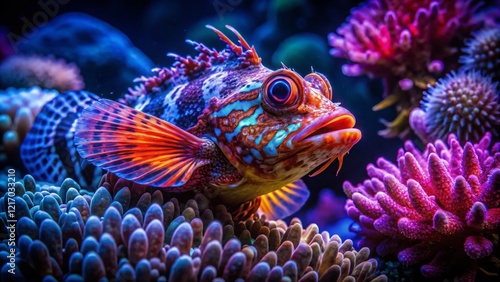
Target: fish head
(278, 127)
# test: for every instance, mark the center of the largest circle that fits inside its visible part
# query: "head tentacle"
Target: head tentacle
(250, 54)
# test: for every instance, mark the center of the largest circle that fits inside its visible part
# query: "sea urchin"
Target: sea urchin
(482, 52)
(464, 103)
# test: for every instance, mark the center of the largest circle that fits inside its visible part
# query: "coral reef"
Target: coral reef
(107, 59)
(128, 232)
(438, 209)
(406, 43)
(465, 104)
(22, 71)
(18, 109)
(482, 52)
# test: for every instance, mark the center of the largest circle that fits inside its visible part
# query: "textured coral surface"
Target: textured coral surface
(18, 109)
(407, 43)
(125, 231)
(439, 208)
(23, 71)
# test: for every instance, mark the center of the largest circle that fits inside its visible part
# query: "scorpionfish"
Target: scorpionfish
(219, 123)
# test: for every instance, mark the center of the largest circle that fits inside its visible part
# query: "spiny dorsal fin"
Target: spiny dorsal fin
(190, 67)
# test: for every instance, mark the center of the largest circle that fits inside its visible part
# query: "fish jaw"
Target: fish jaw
(331, 129)
(325, 139)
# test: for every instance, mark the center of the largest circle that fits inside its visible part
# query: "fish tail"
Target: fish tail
(48, 151)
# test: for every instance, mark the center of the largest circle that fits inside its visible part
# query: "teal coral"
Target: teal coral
(18, 109)
(127, 231)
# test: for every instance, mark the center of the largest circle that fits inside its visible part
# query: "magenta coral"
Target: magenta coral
(407, 43)
(439, 208)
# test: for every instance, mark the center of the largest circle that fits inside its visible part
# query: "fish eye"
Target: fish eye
(282, 91)
(279, 91)
(320, 82)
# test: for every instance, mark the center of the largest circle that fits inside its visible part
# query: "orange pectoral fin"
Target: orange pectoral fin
(285, 201)
(137, 146)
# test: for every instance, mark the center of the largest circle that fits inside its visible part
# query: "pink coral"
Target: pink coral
(407, 43)
(439, 207)
(22, 71)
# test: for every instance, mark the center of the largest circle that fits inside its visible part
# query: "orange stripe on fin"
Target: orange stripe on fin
(137, 146)
(285, 201)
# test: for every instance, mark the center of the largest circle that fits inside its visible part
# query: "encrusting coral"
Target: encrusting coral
(482, 52)
(439, 208)
(407, 43)
(464, 103)
(24, 71)
(125, 231)
(18, 109)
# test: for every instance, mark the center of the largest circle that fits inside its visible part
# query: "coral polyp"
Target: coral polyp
(438, 209)
(465, 104)
(482, 52)
(407, 43)
(126, 231)
(18, 109)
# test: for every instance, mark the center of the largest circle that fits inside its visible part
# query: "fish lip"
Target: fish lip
(338, 124)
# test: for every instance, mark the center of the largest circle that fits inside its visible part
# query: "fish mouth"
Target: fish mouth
(333, 128)
(334, 132)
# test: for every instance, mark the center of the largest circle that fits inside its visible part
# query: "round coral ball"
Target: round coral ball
(464, 103)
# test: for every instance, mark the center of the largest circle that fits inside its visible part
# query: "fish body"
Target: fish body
(220, 124)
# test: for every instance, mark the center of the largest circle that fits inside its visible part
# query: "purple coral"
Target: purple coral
(407, 43)
(439, 208)
(465, 104)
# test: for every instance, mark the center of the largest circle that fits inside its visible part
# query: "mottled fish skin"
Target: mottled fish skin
(224, 125)
(182, 102)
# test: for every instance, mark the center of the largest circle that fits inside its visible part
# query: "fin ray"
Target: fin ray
(137, 146)
(285, 201)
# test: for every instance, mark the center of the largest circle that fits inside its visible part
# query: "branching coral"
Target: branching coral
(125, 231)
(439, 208)
(465, 104)
(407, 43)
(482, 53)
(23, 71)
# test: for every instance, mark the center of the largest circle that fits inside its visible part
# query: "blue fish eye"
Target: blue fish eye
(279, 91)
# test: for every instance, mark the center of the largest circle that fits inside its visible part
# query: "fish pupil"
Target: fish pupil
(279, 91)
